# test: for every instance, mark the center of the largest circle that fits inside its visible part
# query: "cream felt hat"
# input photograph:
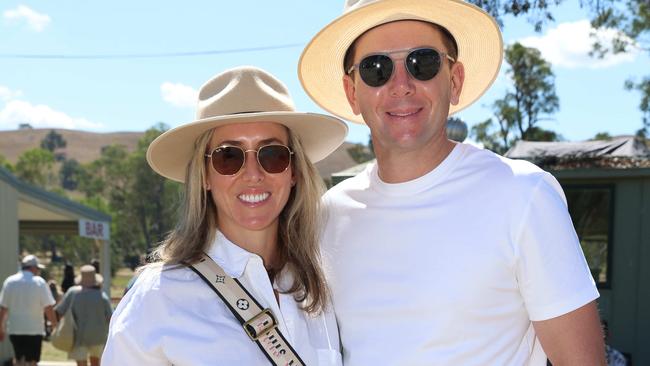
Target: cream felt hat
(480, 47)
(243, 95)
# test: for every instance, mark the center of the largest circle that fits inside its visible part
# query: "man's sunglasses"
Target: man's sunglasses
(422, 63)
(229, 160)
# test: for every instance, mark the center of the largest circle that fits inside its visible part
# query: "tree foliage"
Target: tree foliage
(142, 204)
(70, 174)
(6, 163)
(529, 100)
(52, 142)
(36, 166)
(630, 17)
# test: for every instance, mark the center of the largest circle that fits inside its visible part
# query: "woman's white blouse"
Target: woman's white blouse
(170, 316)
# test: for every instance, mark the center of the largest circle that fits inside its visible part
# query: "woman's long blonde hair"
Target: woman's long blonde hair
(298, 229)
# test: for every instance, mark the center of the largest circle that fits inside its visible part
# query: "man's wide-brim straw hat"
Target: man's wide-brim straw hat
(243, 95)
(88, 277)
(480, 47)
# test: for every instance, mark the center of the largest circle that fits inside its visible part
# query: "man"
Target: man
(23, 299)
(441, 253)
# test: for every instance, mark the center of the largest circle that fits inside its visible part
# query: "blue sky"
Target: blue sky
(132, 94)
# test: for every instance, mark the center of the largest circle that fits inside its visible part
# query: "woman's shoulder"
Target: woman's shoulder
(161, 280)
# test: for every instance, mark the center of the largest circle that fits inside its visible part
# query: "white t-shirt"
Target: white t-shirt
(171, 316)
(25, 296)
(450, 268)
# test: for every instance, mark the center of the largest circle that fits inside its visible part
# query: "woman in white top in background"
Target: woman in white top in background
(251, 203)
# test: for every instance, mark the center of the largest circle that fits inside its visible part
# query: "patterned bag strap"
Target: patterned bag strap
(260, 324)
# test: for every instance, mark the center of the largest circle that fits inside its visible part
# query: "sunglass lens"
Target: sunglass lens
(227, 160)
(375, 70)
(274, 158)
(423, 64)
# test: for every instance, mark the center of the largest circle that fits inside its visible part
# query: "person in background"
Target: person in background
(92, 311)
(68, 277)
(54, 289)
(24, 298)
(95, 263)
(614, 356)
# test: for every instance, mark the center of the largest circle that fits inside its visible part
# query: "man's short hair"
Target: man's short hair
(447, 39)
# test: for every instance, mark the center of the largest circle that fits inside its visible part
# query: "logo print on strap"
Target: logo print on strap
(220, 279)
(242, 304)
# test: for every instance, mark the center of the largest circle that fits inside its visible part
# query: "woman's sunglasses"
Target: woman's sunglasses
(229, 160)
(422, 63)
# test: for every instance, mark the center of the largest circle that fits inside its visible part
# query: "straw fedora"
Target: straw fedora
(88, 277)
(243, 95)
(480, 47)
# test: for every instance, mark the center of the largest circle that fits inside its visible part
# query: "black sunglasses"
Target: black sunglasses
(229, 160)
(422, 63)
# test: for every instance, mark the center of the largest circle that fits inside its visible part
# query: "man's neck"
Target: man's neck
(398, 166)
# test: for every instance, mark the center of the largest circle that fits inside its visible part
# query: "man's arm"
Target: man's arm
(3, 316)
(575, 338)
(51, 316)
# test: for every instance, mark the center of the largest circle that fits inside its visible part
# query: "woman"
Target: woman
(92, 310)
(251, 204)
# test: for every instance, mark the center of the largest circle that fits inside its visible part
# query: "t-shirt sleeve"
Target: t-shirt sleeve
(551, 269)
(3, 296)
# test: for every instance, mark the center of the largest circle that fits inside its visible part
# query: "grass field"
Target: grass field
(118, 283)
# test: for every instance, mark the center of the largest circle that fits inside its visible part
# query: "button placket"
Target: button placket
(261, 286)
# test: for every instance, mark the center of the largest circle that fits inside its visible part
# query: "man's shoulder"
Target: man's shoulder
(13, 278)
(39, 280)
(500, 167)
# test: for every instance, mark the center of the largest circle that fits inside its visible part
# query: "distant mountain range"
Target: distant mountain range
(85, 146)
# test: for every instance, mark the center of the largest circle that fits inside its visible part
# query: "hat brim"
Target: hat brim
(170, 153)
(480, 48)
(98, 280)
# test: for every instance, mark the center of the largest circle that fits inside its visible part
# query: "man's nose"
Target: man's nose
(401, 82)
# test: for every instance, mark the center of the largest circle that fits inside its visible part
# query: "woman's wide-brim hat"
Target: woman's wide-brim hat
(89, 277)
(243, 95)
(480, 47)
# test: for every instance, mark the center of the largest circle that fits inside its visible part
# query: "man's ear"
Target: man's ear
(457, 80)
(348, 86)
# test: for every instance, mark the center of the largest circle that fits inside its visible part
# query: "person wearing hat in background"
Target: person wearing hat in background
(251, 205)
(92, 310)
(440, 252)
(23, 299)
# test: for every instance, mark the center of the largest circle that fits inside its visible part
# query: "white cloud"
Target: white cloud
(179, 95)
(16, 112)
(35, 21)
(568, 45)
(7, 94)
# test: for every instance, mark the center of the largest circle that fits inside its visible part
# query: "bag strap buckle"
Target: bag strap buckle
(260, 324)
